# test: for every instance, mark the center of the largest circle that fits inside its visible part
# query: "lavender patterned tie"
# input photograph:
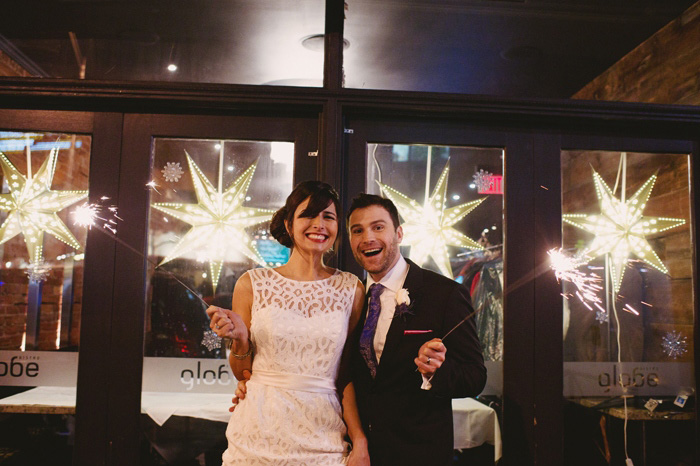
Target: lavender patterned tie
(367, 337)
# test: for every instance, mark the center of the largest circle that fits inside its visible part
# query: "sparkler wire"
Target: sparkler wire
(123, 243)
(111, 234)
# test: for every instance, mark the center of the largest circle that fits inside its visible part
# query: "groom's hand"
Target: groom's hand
(430, 357)
(241, 390)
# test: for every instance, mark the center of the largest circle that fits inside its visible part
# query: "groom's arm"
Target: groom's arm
(463, 372)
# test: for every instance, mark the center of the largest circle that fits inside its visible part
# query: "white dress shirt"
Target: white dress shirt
(393, 282)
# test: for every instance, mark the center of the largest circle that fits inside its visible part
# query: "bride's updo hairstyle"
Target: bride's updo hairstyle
(320, 196)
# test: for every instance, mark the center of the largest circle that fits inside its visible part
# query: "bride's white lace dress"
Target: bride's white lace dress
(291, 413)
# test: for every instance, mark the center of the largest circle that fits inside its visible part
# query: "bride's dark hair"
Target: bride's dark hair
(320, 196)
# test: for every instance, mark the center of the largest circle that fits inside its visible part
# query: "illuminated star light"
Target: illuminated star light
(428, 228)
(218, 221)
(33, 206)
(620, 229)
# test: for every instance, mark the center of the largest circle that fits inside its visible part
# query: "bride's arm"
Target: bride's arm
(359, 454)
(235, 324)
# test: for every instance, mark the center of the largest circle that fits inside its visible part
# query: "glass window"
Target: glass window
(44, 178)
(211, 42)
(211, 203)
(626, 269)
(512, 48)
(450, 203)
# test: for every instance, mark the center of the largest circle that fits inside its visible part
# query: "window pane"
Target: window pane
(211, 203)
(234, 42)
(628, 312)
(450, 200)
(44, 177)
(509, 48)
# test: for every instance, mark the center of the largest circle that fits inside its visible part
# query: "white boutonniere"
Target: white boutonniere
(403, 304)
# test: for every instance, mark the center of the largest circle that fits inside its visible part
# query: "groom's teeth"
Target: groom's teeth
(371, 252)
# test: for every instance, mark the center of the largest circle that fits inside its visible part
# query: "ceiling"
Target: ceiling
(534, 48)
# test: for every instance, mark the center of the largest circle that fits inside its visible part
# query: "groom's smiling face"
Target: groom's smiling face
(374, 240)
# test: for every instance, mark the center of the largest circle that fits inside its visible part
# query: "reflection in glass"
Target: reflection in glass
(451, 207)
(627, 221)
(211, 203)
(450, 203)
(44, 177)
(211, 42)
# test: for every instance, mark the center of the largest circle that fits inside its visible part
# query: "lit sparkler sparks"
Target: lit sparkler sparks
(89, 215)
(152, 184)
(587, 284)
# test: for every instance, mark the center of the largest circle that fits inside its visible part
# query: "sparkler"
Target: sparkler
(152, 184)
(587, 284)
(89, 215)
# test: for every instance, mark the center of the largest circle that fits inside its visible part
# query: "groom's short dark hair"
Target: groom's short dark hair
(366, 200)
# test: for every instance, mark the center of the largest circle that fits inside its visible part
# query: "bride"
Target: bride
(288, 327)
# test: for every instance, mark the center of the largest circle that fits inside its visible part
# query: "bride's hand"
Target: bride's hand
(227, 324)
(359, 455)
(241, 390)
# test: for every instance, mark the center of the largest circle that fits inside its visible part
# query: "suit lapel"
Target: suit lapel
(413, 284)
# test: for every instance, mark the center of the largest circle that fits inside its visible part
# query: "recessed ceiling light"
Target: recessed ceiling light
(172, 67)
(315, 42)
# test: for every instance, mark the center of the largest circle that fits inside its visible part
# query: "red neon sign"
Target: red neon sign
(495, 185)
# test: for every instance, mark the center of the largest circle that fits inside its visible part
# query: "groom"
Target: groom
(405, 377)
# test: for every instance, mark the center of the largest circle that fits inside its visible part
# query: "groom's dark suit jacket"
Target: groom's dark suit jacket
(404, 424)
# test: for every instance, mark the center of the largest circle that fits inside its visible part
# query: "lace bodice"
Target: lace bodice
(300, 327)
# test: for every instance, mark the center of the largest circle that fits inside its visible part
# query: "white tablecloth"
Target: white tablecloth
(474, 422)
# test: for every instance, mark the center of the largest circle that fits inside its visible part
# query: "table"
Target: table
(595, 431)
(474, 422)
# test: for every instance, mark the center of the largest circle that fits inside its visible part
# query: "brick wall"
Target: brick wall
(665, 69)
(71, 173)
(8, 67)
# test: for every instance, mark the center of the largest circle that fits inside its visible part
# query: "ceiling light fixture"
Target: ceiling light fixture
(316, 42)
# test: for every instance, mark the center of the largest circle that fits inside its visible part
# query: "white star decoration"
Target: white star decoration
(172, 172)
(218, 222)
(674, 344)
(428, 228)
(620, 229)
(211, 340)
(32, 207)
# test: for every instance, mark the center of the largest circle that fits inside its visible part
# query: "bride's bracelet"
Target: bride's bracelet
(251, 348)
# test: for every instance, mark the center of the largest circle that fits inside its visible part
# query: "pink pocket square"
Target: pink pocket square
(416, 332)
